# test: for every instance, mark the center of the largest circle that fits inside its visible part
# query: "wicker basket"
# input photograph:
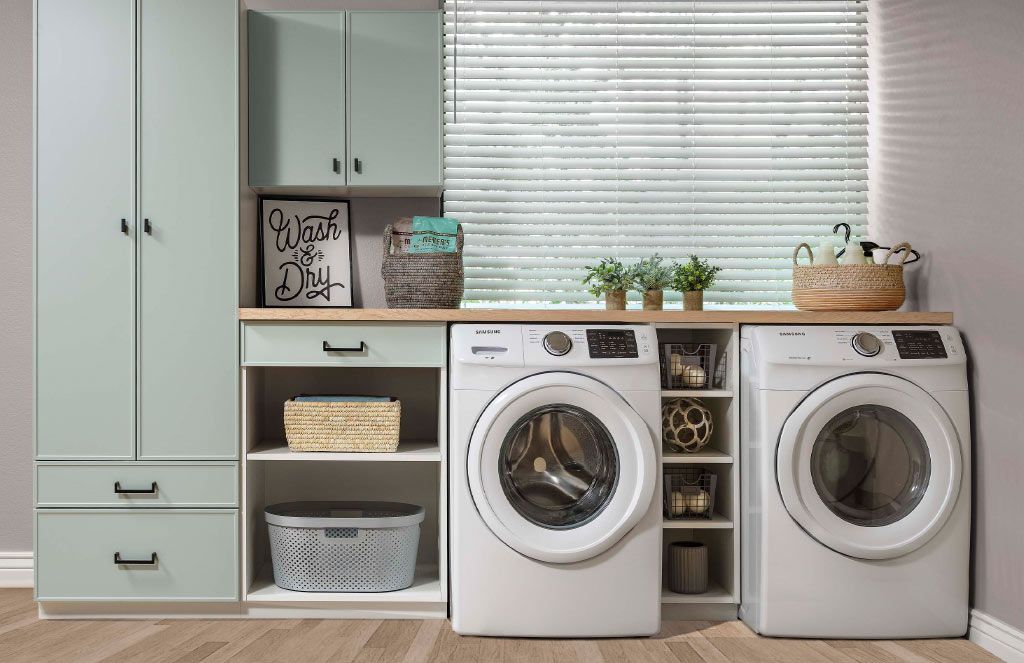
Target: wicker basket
(422, 280)
(849, 287)
(342, 426)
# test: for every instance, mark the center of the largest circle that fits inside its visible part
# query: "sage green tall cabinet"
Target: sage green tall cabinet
(136, 193)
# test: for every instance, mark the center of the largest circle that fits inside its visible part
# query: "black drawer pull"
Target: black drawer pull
(336, 165)
(357, 165)
(358, 348)
(134, 491)
(124, 226)
(120, 561)
(147, 226)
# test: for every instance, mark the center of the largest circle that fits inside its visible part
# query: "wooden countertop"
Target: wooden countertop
(745, 317)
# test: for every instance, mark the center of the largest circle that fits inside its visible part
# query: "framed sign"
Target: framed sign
(305, 252)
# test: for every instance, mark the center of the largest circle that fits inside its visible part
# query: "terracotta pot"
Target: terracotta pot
(654, 300)
(693, 300)
(615, 300)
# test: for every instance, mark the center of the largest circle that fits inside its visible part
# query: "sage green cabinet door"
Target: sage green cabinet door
(394, 97)
(85, 264)
(188, 115)
(296, 103)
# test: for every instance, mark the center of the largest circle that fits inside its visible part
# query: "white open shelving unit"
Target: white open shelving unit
(415, 473)
(721, 456)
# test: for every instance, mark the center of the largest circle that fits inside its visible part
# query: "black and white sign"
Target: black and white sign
(305, 252)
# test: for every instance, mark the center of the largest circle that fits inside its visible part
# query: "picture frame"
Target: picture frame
(305, 252)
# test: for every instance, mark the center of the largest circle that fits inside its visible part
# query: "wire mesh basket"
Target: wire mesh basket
(687, 365)
(689, 493)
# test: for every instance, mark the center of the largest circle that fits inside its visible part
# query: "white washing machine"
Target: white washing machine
(554, 521)
(856, 490)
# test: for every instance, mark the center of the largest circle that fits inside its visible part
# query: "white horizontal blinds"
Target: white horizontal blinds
(578, 130)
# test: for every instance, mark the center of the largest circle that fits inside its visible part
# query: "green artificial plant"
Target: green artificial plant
(694, 274)
(651, 274)
(607, 276)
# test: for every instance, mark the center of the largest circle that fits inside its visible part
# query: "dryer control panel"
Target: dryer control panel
(919, 344)
(612, 343)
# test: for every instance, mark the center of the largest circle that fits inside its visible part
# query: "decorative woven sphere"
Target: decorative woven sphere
(686, 424)
(693, 376)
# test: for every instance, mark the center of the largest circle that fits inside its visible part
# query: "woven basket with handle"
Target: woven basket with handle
(422, 280)
(342, 426)
(849, 287)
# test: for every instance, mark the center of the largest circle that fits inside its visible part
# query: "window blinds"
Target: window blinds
(577, 130)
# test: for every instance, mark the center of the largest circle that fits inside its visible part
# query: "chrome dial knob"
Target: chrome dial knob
(557, 343)
(866, 345)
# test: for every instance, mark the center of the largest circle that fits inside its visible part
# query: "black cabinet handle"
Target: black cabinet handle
(357, 165)
(147, 226)
(134, 491)
(145, 562)
(337, 165)
(358, 348)
(124, 226)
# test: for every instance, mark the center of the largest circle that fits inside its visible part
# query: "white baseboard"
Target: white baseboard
(16, 569)
(996, 637)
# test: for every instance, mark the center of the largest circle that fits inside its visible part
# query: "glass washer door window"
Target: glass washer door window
(561, 467)
(869, 465)
(558, 466)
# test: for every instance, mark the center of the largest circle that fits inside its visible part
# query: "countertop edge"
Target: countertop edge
(594, 315)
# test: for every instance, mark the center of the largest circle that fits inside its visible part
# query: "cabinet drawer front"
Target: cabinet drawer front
(137, 485)
(196, 555)
(349, 344)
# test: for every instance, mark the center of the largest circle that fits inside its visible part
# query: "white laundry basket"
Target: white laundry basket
(344, 546)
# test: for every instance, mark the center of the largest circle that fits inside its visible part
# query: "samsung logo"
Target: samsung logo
(792, 334)
(488, 331)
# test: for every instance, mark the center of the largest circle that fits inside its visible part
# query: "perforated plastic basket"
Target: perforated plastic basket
(344, 546)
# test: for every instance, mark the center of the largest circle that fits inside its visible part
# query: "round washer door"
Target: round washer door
(869, 465)
(561, 467)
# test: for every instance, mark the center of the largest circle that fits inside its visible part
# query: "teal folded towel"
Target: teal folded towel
(342, 399)
(433, 235)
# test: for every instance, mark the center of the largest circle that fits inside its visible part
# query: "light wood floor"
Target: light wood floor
(23, 637)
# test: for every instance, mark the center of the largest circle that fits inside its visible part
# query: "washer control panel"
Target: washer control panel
(612, 343)
(919, 344)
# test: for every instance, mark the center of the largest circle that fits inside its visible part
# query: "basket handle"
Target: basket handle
(796, 252)
(902, 246)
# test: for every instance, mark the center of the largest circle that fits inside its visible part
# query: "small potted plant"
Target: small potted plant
(692, 278)
(612, 279)
(650, 278)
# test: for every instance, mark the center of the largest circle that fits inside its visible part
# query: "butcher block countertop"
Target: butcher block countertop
(728, 316)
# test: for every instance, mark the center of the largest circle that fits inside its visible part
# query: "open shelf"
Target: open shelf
(426, 588)
(410, 450)
(696, 393)
(717, 521)
(704, 456)
(715, 594)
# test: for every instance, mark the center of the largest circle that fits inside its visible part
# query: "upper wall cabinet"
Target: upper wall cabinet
(296, 98)
(394, 98)
(341, 99)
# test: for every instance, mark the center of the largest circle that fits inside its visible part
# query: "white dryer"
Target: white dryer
(856, 490)
(554, 519)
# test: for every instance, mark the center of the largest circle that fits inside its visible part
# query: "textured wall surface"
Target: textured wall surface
(947, 160)
(15, 275)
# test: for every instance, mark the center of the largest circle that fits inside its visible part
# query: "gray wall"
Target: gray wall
(15, 275)
(947, 160)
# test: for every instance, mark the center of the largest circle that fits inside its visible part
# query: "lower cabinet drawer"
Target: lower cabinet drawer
(137, 484)
(344, 344)
(133, 555)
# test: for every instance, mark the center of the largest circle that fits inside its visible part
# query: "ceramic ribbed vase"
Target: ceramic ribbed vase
(688, 567)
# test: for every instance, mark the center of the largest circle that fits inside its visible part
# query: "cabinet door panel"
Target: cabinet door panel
(394, 98)
(296, 105)
(85, 264)
(188, 355)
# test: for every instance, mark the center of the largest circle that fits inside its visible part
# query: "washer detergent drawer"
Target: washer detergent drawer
(343, 344)
(184, 555)
(137, 485)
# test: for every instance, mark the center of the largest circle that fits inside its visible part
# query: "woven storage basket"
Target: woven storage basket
(342, 426)
(849, 287)
(422, 280)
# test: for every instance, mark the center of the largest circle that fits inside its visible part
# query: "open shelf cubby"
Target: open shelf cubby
(721, 457)
(415, 473)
